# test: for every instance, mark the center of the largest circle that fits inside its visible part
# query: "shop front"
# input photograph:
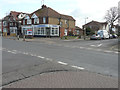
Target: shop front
(46, 30)
(27, 30)
(13, 31)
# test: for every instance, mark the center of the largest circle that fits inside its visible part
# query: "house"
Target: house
(95, 26)
(47, 22)
(78, 31)
(0, 25)
(11, 24)
(119, 13)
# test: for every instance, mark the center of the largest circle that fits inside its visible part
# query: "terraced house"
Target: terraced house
(48, 23)
(11, 24)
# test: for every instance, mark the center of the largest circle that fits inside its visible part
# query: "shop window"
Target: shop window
(56, 31)
(42, 31)
(38, 32)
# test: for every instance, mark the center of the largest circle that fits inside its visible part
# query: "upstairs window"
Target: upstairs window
(23, 22)
(44, 19)
(65, 21)
(4, 23)
(11, 24)
(36, 20)
(28, 21)
(60, 24)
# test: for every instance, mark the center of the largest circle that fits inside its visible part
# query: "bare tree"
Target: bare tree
(111, 16)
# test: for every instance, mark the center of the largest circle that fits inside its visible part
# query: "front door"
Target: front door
(48, 32)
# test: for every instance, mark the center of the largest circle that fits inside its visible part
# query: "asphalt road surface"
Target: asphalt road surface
(91, 60)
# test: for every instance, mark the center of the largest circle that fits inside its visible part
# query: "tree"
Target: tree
(111, 16)
(89, 31)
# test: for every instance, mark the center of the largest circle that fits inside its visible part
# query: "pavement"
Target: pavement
(81, 79)
(44, 66)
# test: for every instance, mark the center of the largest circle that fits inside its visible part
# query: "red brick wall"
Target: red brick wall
(62, 31)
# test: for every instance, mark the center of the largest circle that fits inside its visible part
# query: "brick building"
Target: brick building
(11, 24)
(95, 26)
(78, 31)
(47, 22)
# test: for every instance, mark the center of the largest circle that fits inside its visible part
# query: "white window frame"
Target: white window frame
(53, 31)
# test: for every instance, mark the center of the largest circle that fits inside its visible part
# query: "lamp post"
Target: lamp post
(85, 28)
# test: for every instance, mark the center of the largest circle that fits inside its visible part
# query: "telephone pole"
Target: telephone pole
(85, 29)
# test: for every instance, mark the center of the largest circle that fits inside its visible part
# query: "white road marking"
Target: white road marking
(82, 47)
(13, 53)
(9, 51)
(33, 55)
(108, 51)
(41, 57)
(48, 59)
(25, 53)
(116, 52)
(92, 45)
(81, 68)
(99, 45)
(62, 63)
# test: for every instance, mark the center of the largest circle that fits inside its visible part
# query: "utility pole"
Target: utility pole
(85, 29)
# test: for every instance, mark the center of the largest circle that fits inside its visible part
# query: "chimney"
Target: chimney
(44, 6)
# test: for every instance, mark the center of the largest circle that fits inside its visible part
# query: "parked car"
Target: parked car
(103, 34)
(95, 37)
(114, 36)
(111, 36)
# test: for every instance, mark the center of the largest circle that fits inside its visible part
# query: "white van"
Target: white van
(103, 34)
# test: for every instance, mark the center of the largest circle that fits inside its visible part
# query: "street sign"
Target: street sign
(29, 32)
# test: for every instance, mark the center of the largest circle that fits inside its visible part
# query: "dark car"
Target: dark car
(95, 37)
(114, 36)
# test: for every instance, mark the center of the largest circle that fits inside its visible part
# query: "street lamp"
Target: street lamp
(85, 28)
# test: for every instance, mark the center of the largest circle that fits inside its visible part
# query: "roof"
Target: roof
(16, 14)
(78, 28)
(97, 23)
(49, 12)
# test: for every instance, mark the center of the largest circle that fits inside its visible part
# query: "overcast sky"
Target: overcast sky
(79, 9)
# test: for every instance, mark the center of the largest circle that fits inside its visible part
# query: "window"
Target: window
(44, 19)
(42, 31)
(36, 20)
(11, 24)
(38, 31)
(28, 21)
(23, 22)
(4, 23)
(52, 31)
(65, 21)
(56, 31)
(61, 24)
(58, 19)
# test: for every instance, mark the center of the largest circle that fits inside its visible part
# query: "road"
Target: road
(91, 60)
